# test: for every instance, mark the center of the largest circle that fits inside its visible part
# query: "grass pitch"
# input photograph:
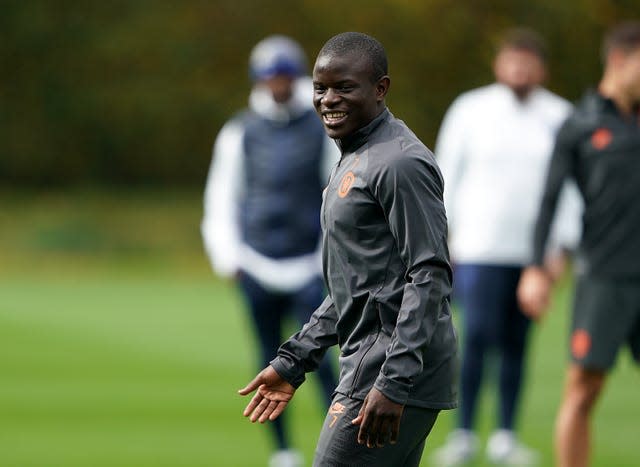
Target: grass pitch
(131, 356)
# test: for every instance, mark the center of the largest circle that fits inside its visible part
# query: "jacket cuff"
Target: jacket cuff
(396, 391)
(288, 370)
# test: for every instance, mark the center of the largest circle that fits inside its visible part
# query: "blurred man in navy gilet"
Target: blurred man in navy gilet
(262, 202)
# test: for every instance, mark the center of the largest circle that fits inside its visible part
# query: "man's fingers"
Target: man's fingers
(360, 416)
(395, 431)
(384, 432)
(379, 435)
(272, 393)
(373, 431)
(534, 306)
(268, 410)
(278, 410)
(253, 403)
(260, 408)
(363, 432)
(252, 386)
(534, 292)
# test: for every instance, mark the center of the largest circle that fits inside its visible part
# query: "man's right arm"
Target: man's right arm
(303, 351)
(276, 384)
(560, 167)
(534, 289)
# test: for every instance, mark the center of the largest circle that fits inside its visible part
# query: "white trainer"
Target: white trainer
(460, 448)
(286, 458)
(504, 449)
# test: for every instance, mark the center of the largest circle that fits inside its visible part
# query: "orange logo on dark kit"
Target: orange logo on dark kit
(345, 184)
(580, 343)
(336, 410)
(601, 138)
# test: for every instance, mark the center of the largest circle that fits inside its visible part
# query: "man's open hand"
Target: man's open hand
(272, 396)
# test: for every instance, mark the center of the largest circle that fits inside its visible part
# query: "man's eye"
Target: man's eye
(319, 89)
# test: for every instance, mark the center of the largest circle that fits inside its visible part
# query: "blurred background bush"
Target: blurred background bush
(133, 92)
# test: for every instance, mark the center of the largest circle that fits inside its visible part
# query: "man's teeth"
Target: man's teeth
(334, 115)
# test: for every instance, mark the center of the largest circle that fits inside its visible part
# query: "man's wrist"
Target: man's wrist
(393, 390)
(288, 370)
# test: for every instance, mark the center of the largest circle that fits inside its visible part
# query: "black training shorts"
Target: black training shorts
(338, 446)
(606, 316)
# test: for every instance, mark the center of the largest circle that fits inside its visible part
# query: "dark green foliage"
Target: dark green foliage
(133, 92)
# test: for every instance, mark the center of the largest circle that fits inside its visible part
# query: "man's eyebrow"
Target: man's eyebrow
(337, 83)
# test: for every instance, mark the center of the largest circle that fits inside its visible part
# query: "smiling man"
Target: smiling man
(386, 267)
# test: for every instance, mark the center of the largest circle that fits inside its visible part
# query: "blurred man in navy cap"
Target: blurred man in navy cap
(262, 201)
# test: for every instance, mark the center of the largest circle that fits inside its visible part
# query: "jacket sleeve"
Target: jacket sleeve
(560, 168)
(303, 351)
(410, 193)
(225, 185)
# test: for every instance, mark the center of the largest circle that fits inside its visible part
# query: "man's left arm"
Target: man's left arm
(411, 196)
(410, 193)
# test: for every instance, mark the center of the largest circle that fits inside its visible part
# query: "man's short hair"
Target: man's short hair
(522, 38)
(348, 43)
(624, 36)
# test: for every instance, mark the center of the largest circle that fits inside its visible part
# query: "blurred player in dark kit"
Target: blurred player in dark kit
(598, 147)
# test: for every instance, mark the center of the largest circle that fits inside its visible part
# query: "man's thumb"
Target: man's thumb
(252, 386)
(360, 416)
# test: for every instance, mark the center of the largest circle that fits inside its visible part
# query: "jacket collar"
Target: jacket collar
(358, 138)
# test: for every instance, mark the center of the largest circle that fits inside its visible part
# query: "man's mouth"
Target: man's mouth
(333, 118)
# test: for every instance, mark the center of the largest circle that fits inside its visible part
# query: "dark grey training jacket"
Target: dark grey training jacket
(386, 266)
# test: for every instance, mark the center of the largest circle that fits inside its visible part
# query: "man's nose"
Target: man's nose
(330, 97)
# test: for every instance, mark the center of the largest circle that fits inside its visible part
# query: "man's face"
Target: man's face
(519, 69)
(343, 94)
(281, 87)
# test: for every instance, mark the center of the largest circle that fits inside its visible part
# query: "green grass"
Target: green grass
(119, 348)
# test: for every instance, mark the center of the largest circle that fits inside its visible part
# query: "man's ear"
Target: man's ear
(382, 87)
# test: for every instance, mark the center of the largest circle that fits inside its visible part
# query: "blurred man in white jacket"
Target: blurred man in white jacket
(262, 202)
(494, 148)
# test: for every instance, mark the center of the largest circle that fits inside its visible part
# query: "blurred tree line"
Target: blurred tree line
(133, 92)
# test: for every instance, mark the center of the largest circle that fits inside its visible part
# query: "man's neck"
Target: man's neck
(609, 88)
(357, 138)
